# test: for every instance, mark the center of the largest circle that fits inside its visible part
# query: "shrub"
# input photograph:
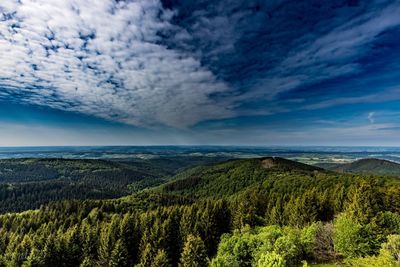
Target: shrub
(271, 259)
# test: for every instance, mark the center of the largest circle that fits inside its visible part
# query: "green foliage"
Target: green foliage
(247, 247)
(349, 237)
(271, 259)
(30, 183)
(389, 255)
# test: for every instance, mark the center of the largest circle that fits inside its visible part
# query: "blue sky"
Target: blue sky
(199, 72)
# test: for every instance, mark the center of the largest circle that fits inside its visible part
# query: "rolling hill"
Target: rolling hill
(366, 166)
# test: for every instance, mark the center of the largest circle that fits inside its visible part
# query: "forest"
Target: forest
(266, 212)
(28, 183)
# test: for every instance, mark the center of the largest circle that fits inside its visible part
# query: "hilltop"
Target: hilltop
(282, 164)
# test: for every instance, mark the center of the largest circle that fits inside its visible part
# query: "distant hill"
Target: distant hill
(366, 166)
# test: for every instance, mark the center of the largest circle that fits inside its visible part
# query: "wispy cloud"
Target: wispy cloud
(103, 58)
(392, 94)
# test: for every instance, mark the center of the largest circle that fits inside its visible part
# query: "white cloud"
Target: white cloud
(104, 59)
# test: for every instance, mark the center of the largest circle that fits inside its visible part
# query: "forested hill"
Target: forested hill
(234, 176)
(30, 183)
(366, 166)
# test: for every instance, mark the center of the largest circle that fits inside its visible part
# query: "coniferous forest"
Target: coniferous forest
(253, 212)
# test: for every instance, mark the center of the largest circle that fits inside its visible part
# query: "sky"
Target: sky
(229, 72)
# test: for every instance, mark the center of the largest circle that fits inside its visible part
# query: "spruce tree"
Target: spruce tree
(194, 253)
(34, 259)
(147, 256)
(161, 259)
(119, 255)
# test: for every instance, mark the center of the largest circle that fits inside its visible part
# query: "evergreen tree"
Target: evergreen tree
(147, 256)
(119, 255)
(130, 236)
(34, 259)
(194, 253)
(105, 246)
(161, 259)
(364, 202)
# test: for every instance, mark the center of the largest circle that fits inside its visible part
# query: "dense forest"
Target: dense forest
(30, 183)
(254, 212)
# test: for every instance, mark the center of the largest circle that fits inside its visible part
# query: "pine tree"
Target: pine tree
(194, 253)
